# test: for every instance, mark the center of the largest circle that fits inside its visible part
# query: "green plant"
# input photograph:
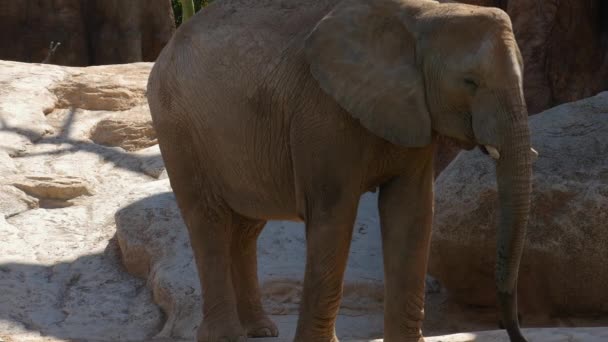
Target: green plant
(178, 12)
(187, 9)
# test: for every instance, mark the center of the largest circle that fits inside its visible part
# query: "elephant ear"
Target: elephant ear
(362, 55)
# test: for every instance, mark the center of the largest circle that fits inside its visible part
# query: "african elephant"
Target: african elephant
(291, 110)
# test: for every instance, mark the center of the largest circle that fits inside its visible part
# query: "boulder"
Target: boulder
(61, 278)
(152, 162)
(53, 191)
(53, 186)
(129, 134)
(562, 270)
(103, 88)
(154, 245)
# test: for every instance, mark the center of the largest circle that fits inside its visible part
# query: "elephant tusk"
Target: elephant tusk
(534, 154)
(492, 151)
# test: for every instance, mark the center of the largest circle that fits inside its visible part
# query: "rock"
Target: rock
(567, 239)
(152, 162)
(109, 88)
(23, 121)
(14, 201)
(53, 189)
(60, 272)
(155, 246)
(91, 32)
(7, 165)
(130, 135)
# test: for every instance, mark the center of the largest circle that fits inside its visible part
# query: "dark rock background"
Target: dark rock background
(91, 32)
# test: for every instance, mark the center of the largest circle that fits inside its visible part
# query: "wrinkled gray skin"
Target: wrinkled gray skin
(290, 110)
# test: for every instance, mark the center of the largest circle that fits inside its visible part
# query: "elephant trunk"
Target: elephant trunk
(513, 173)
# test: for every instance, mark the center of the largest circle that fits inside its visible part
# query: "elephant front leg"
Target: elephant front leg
(328, 239)
(406, 209)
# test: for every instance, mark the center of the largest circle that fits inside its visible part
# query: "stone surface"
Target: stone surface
(7, 165)
(128, 134)
(109, 88)
(152, 162)
(53, 186)
(91, 32)
(14, 201)
(567, 236)
(23, 121)
(60, 270)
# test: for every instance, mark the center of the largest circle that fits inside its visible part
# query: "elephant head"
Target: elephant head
(409, 70)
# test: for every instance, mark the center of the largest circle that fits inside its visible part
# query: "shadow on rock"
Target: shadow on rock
(89, 298)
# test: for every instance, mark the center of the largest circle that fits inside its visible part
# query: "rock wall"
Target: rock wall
(91, 32)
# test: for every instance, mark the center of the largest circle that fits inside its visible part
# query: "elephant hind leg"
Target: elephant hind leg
(245, 279)
(210, 223)
(210, 235)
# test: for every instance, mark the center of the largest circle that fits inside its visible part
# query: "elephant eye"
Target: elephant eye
(471, 84)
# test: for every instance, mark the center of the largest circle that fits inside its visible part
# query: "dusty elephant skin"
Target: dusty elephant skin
(292, 110)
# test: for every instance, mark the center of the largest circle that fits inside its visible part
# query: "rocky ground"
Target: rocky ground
(92, 246)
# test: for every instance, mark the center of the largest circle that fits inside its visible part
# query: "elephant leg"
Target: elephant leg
(245, 280)
(210, 236)
(328, 237)
(210, 223)
(406, 210)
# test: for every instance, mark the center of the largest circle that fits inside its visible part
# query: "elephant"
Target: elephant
(291, 110)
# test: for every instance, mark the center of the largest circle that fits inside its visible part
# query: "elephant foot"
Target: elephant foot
(262, 327)
(221, 332)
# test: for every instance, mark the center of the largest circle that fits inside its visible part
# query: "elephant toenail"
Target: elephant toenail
(265, 332)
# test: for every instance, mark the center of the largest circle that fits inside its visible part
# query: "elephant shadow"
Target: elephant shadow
(91, 298)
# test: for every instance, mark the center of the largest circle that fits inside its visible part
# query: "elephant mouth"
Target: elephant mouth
(457, 143)
(484, 150)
